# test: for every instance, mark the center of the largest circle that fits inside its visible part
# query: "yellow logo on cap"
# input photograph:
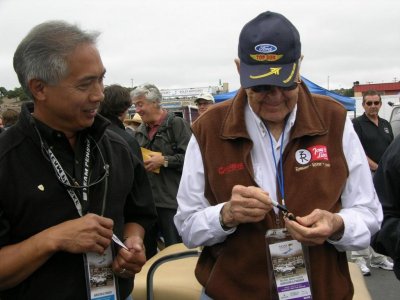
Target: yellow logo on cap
(266, 57)
(272, 71)
(291, 74)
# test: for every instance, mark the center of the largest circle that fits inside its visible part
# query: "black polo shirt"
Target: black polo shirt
(374, 139)
(33, 199)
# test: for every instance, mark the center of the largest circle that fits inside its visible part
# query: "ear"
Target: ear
(37, 87)
(237, 62)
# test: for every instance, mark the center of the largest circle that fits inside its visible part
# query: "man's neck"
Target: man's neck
(374, 118)
(157, 117)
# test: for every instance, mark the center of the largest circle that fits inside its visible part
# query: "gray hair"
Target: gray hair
(42, 54)
(150, 92)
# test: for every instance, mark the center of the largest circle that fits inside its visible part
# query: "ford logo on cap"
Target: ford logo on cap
(265, 48)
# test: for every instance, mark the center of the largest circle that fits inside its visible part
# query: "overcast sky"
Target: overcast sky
(192, 43)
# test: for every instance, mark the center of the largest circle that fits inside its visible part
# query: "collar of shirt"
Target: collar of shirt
(152, 129)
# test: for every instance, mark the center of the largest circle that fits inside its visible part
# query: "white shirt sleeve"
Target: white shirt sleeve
(361, 210)
(196, 220)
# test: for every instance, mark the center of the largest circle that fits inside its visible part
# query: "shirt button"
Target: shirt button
(77, 162)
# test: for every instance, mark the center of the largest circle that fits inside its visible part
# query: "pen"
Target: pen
(284, 210)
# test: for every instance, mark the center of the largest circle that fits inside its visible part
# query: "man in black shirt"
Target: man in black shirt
(67, 183)
(375, 135)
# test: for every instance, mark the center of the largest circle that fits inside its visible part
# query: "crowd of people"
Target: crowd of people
(274, 171)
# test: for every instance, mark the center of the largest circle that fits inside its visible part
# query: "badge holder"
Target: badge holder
(288, 266)
(100, 279)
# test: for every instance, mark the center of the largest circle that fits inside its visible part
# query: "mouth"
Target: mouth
(91, 112)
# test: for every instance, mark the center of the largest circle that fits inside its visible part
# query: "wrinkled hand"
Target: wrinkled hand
(315, 228)
(90, 233)
(154, 162)
(247, 205)
(127, 263)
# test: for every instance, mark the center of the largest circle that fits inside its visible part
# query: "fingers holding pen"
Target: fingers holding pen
(247, 204)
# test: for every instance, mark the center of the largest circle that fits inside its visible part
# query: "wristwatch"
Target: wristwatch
(165, 161)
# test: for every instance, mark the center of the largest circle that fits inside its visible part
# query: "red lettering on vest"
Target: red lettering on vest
(230, 168)
(318, 152)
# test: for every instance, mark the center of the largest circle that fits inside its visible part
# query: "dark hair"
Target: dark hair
(371, 93)
(116, 101)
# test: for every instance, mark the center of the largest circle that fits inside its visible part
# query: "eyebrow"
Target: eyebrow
(92, 77)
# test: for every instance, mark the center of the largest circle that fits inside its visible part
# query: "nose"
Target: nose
(97, 92)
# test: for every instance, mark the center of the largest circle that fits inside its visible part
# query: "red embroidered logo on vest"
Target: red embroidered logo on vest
(230, 168)
(318, 153)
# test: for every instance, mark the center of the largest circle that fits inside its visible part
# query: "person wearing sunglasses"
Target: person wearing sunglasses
(274, 143)
(71, 224)
(375, 134)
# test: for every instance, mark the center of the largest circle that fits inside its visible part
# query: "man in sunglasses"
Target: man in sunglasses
(273, 146)
(375, 134)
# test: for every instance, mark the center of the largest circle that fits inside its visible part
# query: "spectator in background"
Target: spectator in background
(115, 107)
(203, 102)
(375, 134)
(10, 117)
(167, 136)
(132, 124)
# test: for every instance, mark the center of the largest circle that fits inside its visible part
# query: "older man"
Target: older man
(166, 136)
(72, 193)
(275, 146)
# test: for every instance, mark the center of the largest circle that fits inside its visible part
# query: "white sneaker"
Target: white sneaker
(384, 264)
(361, 263)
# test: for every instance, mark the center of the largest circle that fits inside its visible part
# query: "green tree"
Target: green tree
(18, 93)
(3, 91)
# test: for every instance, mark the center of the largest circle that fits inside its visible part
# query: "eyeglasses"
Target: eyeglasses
(376, 103)
(268, 88)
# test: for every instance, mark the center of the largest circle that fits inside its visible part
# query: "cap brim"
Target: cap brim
(268, 74)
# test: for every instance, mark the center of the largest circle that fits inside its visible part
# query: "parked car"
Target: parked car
(395, 118)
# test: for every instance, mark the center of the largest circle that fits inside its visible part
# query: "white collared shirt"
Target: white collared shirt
(198, 222)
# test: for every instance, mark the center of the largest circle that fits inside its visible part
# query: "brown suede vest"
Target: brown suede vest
(315, 173)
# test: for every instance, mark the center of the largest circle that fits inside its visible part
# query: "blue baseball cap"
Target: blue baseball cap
(269, 51)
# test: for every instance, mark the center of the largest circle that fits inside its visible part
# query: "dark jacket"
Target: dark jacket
(171, 140)
(32, 199)
(237, 268)
(387, 186)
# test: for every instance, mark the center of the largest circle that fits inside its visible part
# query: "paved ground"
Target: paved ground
(383, 285)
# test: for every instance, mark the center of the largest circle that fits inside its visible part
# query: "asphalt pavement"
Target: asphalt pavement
(383, 285)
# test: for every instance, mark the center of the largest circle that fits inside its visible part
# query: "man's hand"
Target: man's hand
(247, 205)
(90, 233)
(316, 228)
(128, 263)
(154, 162)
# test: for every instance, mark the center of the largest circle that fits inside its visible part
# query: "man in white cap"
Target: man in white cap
(272, 149)
(203, 102)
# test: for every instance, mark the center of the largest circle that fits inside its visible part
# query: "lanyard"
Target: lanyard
(279, 168)
(62, 175)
